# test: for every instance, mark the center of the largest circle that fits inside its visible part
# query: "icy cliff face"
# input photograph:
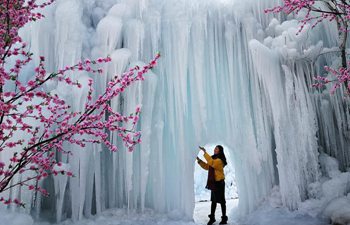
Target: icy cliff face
(228, 74)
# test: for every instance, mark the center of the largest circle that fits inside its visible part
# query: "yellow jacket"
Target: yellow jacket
(217, 164)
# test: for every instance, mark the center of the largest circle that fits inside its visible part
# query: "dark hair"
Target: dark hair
(221, 149)
(221, 155)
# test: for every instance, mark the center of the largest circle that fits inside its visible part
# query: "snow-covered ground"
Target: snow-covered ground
(202, 209)
(122, 217)
(266, 215)
(330, 201)
(281, 216)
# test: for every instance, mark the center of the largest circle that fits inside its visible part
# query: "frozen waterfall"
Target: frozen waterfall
(228, 74)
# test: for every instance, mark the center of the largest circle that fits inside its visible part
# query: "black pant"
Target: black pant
(218, 196)
(223, 208)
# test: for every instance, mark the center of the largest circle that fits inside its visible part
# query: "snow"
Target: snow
(339, 210)
(12, 218)
(278, 216)
(265, 215)
(124, 217)
(108, 217)
(202, 210)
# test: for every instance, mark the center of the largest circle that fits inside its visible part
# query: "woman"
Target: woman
(216, 180)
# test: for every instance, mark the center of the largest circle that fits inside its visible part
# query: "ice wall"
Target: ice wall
(228, 74)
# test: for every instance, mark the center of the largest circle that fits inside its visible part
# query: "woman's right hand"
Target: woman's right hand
(202, 148)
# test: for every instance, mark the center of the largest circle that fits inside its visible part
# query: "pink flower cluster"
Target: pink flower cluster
(316, 12)
(14, 14)
(324, 10)
(47, 119)
(342, 76)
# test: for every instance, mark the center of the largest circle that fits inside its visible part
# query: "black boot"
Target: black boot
(212, 219)
(223, 220)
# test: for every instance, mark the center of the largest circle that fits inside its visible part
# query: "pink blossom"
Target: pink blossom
(62, 125)
(339, 12)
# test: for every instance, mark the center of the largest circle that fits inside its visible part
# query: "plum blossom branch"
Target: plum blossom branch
(317, 11)
(48, 120)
